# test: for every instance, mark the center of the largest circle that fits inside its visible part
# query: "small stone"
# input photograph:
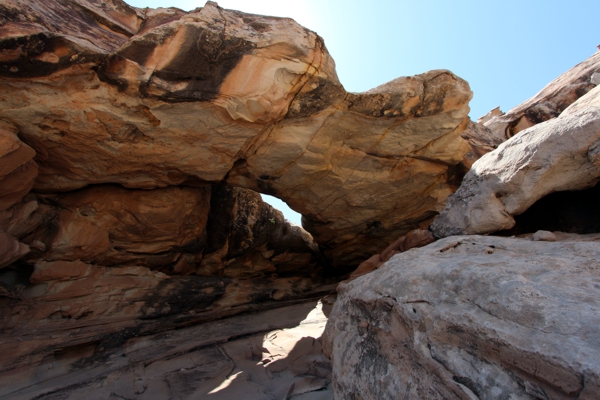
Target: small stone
(544, 236)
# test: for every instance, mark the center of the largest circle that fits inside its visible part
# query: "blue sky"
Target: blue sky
(507, 51)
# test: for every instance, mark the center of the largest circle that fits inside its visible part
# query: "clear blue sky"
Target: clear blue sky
(507, 50)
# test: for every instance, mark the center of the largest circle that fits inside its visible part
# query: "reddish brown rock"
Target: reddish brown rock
(413, 239)
(481, 140)
(17, 167)
(11, 249)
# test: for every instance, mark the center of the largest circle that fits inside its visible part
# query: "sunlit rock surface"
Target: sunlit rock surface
(472, 317)
(154, 98)
(557, 155)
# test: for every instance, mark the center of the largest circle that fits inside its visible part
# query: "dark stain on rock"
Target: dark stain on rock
(435, 92)
(110, 72)
(205, 58)
(39, 55)
(181, 294)
(220, 217)
(465, 381)
(373, 229)
(317, 95)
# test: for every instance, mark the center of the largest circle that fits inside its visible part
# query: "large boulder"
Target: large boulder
(472, 317)
(153, 98)
(557, 155)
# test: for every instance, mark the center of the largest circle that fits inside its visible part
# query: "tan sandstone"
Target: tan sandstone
(154, 98)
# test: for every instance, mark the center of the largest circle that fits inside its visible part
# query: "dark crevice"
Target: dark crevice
(567, 211)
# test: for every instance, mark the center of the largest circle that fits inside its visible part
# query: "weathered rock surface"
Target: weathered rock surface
(106, 261)
(550, 102)
(557, 155)
(472, 317)
(481, 140)
(266, 355)
(155, 98)
(416, 238)
(18, 170)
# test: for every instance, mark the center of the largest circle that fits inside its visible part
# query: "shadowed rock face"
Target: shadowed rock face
(106, 93)
(264, 355)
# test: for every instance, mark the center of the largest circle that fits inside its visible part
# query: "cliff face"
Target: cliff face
(105, 93)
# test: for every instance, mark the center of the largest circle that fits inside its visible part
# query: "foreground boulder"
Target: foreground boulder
(154, 98)
(472, 317)
(557, 155)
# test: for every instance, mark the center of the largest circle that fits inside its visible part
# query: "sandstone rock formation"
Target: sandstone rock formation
(271, 354)
(548, 103)
(154, 98)
(472, 317)
(18, 170)
(106, 260)
(557, 155)
(416, 238)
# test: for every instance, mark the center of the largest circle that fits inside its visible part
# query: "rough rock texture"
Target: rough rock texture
(106, 93)
(108, 261)
(266, 355)
(18, 170)
(548, 103)
(557, 155)
(472, 317)
(481, 140)
(416, 238)
(72, 303)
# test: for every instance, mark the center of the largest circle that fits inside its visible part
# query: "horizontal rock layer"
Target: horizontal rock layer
(106, 261)
(472, 317)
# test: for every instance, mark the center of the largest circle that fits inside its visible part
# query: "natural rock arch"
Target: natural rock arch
(155, 98)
